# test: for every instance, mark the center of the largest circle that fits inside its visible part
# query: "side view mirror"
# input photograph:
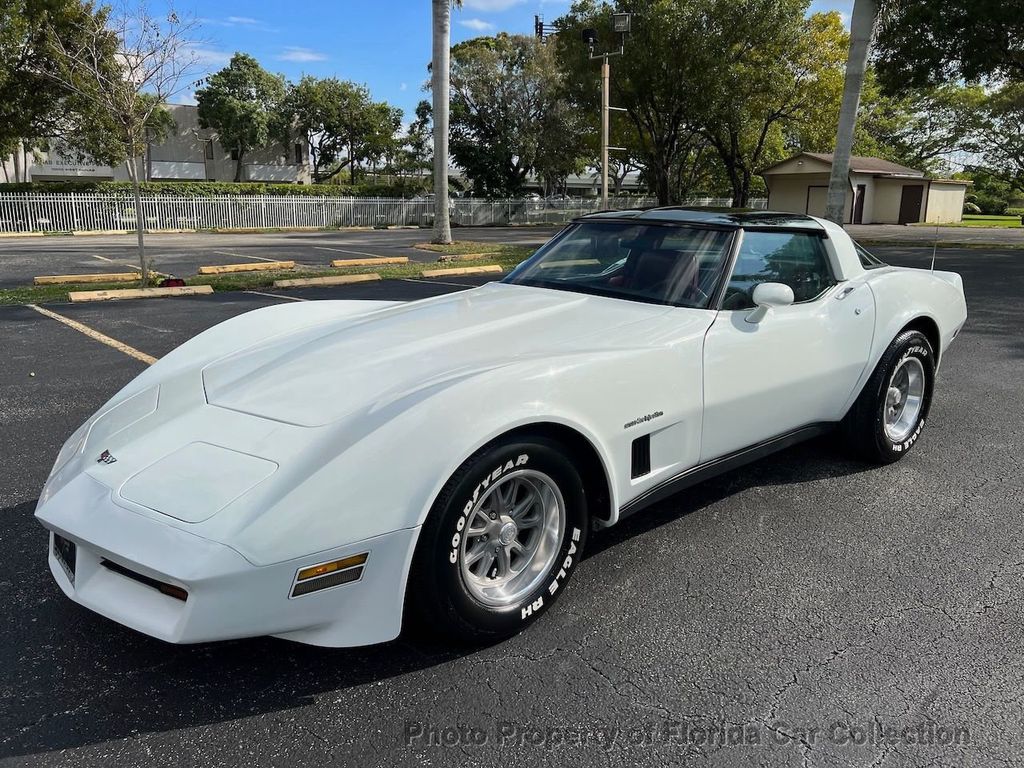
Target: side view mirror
(768, 295)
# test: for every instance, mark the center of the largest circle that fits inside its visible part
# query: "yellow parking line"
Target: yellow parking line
(96, 335)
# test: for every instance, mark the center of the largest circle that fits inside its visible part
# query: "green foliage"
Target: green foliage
(713, 91)
(35, 109)
(341, 123)
(991, 193)
(510, 115)
(368, 188)
(924, 43)
(242, 104)
(1001, 136)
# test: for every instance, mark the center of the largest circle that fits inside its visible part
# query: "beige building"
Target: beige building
(881, 192)
(190, 153)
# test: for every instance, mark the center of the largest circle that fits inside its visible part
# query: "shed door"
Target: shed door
(910, 204)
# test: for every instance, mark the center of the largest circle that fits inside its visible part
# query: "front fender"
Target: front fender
(380, 470)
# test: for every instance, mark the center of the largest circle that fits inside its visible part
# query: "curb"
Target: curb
(263, 266)
(115, 277)
(455, 271)
(332, 280)
(22, 234)
(370, 262)
(139, 293)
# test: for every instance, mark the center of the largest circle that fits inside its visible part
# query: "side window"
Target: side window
(867, 260)
(796, 259)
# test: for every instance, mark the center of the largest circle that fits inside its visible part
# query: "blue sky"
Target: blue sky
(382, 43)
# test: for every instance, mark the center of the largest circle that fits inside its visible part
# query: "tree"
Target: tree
(129, 65)
(242, 103)
(660, 83)
(415, 155)
(780, 65)
(339, 121)
(1000, 138)
(440, 71)
(36, 111)
(926, 43)
(509, 117)
(313, 108)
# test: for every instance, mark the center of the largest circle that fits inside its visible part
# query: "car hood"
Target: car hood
(318, 375)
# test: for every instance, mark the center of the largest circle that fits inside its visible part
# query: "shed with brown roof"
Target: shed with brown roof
(881, 192)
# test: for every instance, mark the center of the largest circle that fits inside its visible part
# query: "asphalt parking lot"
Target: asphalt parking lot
(779, 615)
(181, 255)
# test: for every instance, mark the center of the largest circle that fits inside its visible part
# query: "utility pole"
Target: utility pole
(621, 23)
(606, 77)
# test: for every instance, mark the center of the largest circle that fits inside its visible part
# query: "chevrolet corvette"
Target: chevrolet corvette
(328, 471)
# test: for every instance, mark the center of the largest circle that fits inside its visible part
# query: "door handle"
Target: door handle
(846, 292)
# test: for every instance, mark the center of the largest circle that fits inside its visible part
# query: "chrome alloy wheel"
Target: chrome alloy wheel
(903, 399)
(512, 537)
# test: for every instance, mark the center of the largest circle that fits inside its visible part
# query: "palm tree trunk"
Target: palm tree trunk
(439, 77)
(862, 25)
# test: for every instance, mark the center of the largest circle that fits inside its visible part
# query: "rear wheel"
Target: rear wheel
(500, 542)
(889, 415)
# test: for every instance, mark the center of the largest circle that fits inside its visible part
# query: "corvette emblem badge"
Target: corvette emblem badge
(106, 458)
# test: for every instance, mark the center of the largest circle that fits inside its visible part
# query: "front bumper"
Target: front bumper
(228, 597)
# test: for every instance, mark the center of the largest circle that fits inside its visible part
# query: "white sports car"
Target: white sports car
(323, 471)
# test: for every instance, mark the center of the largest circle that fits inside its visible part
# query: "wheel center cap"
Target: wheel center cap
(508, 533)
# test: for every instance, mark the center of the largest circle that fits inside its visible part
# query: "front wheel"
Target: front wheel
(888, 416)
(500, 542)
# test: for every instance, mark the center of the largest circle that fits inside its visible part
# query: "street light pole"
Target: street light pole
(621, 23)
(606, 76)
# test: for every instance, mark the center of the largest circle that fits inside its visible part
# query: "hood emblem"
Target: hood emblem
(106, 458)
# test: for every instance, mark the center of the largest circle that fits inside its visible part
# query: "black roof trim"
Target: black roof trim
(714, 217)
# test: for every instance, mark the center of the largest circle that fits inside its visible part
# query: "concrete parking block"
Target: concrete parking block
(370, 262)
(454, 271)
(112, 277)
(263, 266)
(139, 293)
(332, 280)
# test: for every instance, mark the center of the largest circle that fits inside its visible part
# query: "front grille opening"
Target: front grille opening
(170, 590)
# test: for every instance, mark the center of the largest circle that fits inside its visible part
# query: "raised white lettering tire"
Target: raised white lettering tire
(501, 541)
(889, 415)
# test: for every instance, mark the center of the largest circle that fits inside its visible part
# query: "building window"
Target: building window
(234, 154)
(208, 149)
(298, 154)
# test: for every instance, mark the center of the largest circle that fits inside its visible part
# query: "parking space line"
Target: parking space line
(277, 296)
(345, 250)
(243, 256)
(96, 335)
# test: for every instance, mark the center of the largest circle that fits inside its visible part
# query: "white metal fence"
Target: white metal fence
(44, 212)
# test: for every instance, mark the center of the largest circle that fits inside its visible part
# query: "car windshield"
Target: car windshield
(654, 263)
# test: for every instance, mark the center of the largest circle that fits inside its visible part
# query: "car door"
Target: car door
(798, 365)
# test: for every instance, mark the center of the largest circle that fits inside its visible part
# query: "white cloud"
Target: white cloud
(845, 19)
(242, 20)
(297, 53)
(491, 6)
(477, 25)
(403, 87)
(211, 57)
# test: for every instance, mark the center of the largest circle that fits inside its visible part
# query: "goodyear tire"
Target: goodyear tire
(887, 419)
(500, 543)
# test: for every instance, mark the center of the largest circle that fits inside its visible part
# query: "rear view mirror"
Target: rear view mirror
(768, 295)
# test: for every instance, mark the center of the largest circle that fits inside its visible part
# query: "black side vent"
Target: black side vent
(641, 456)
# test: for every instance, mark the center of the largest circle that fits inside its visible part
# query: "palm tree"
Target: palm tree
(440, 71)
(862, 26)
